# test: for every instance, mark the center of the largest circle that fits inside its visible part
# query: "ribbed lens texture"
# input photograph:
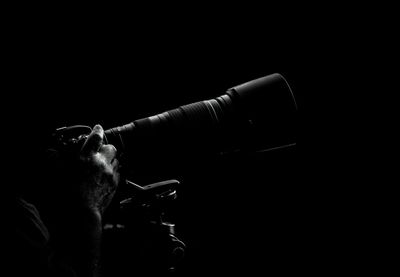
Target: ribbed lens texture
(198, 113)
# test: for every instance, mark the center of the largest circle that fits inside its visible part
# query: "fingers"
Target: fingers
(109, 152)
(94, 140)
(94, 143)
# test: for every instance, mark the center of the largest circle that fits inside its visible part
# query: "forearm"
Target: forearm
(77, 243)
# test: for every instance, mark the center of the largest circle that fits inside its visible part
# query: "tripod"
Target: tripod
(142, 240)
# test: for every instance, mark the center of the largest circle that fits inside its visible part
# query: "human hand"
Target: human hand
(99, 171)
(81, 184)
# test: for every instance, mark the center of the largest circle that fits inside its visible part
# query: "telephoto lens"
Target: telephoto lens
(255, 116)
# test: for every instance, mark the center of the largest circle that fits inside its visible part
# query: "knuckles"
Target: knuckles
(109, 150)
(102, 163)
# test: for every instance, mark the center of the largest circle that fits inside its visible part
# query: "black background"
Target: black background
(252, 214)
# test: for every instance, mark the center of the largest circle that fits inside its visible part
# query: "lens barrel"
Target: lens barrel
(253, 116)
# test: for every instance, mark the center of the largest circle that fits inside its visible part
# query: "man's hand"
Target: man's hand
(100, 174)
(87, 183)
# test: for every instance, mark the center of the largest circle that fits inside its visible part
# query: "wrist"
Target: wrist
(77, 215)
(87, 213)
